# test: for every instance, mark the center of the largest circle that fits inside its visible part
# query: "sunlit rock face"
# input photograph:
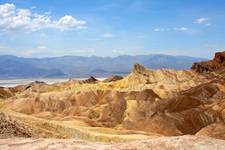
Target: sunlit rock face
(216, 64)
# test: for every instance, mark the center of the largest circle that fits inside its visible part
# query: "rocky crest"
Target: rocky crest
(138, 68)
(217, 64)
(113, 78)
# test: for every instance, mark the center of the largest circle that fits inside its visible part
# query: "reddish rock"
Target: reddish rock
(217, 64)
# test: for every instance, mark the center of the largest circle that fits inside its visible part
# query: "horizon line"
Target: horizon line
(129, 55)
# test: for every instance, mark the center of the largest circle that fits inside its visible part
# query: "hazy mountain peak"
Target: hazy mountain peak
(81, 66)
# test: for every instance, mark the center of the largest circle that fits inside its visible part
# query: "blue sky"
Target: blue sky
(47, 28)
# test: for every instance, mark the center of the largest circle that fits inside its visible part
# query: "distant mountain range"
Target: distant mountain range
(80, 66)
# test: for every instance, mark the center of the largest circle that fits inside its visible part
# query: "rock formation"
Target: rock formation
(217, 64)
(5, 93)
(90, 80)
(113, 78)
(11, 128)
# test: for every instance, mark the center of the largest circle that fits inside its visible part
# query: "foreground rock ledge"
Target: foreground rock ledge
(169, 143)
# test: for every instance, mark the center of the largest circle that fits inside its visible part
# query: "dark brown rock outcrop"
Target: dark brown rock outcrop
(90, 80)
(137, 68)
(11, 128)
(113, 78)
(217, 64)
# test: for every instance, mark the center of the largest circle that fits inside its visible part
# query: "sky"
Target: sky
(50, 28)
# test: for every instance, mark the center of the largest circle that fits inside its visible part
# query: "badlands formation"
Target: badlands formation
(147, 109)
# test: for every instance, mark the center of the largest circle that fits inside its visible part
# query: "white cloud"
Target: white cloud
(159, 29)
(12, 18)
(201, 20)
(107, 35)
(180, 28)
(67, 22)
(169, 29)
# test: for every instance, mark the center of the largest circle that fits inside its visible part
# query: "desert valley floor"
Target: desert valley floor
(147, 109)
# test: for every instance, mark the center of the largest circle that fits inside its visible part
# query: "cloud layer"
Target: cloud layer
(201, 20)
(170, 29)
(12, 18)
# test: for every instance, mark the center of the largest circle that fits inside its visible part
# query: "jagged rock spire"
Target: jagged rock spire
(137, 68)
